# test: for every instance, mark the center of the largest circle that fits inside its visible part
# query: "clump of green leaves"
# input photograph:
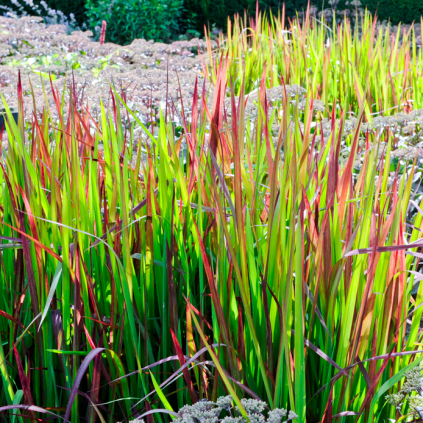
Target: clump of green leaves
(407, 395)
(130, 19)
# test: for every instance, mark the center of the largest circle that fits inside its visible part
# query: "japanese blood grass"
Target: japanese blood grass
(288, 280)
(336, 62)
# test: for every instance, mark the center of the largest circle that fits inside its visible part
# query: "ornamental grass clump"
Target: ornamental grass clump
(337, 62)
(146, 265)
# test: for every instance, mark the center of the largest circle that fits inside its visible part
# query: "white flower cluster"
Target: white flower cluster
(224, 402)
(256, 418)
(413, 381)
(228, 419)
(413, 384)
(394, 399)
(203, 411)
(222, 411)
(252, 406)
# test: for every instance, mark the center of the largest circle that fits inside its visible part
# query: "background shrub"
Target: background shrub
(215, 12)
(77, 7)
(406, 11)
(130, 19)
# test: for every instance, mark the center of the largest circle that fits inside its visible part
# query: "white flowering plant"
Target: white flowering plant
(222, 411)
(411, 393)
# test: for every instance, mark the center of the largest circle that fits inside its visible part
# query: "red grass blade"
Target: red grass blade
(24, 380)
(187, 376)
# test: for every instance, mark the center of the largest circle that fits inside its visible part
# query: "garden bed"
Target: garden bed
(239, 220)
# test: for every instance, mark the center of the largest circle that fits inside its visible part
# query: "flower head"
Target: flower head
(276, 415)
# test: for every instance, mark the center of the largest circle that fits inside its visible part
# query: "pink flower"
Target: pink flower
(103, 32)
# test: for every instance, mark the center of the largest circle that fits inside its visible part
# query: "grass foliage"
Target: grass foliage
(338, 64)
(134, 285)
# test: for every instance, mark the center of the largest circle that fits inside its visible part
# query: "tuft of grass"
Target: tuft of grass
(340, 64)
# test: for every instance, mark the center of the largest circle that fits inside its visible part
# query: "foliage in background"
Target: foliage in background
(405, 11)
(214, 13)
(160, 20)
(129, 19)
